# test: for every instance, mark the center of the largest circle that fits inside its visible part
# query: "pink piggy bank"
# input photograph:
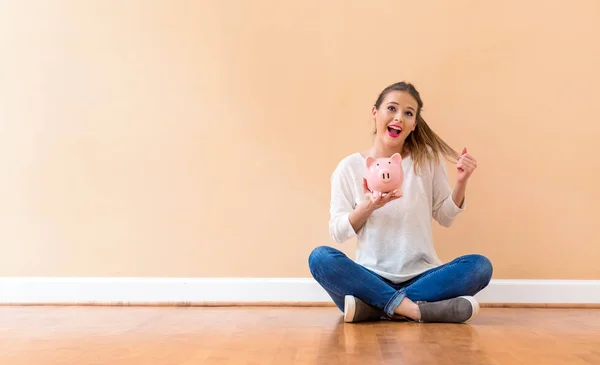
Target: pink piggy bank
(385, 175)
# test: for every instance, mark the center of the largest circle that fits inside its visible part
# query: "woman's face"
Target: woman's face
(396, 118)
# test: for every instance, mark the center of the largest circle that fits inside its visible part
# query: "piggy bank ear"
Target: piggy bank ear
(396, 157)
(370, 161)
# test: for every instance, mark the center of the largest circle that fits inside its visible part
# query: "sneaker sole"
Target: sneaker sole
(474, 305)
(349, 308)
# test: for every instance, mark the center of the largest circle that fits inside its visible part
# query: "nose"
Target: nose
(385, 175)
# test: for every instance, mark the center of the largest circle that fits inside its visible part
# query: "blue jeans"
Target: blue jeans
(340, 276)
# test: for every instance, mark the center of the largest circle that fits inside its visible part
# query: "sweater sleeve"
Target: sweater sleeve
(444, 209)
(341, 204)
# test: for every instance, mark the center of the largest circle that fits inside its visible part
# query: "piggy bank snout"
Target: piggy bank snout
(385, 175)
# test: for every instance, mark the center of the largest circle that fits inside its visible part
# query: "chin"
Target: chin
(393, 142)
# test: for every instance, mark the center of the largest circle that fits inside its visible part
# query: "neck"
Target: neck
(378, 150)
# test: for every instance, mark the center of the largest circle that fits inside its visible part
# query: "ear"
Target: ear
(416, 122)
(396, 157)
(370, 161)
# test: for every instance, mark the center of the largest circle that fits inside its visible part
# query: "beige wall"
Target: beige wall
(129, 127)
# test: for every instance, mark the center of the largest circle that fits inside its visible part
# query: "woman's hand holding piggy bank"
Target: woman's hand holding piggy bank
(384, 179)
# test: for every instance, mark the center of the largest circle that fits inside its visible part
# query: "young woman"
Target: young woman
(397, 273)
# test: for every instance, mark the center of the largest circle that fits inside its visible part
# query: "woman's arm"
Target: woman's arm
(358, 217)
(458, 195)
(465, 166)
(447, 203)
(341, 207)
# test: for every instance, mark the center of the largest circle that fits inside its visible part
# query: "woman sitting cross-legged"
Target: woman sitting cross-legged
(397, 273)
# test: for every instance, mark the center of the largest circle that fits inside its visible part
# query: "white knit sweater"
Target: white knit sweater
(396, 241)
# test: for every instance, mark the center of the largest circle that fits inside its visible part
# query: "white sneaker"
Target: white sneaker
(355, 310)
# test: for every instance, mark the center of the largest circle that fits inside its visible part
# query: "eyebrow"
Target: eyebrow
(408, 107)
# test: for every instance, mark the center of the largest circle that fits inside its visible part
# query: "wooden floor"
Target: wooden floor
(263, 335)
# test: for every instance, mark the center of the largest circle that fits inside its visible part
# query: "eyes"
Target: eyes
(393, 109)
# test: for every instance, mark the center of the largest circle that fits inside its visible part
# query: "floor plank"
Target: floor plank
(285, 335)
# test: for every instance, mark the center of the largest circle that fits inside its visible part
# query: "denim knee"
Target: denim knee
(483, 270)
(319, 258)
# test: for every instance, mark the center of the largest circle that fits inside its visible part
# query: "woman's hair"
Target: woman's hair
(423, 143)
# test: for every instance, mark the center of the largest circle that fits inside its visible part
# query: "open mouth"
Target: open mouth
(394, 131)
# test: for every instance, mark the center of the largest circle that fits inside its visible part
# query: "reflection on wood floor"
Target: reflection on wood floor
(288, 335)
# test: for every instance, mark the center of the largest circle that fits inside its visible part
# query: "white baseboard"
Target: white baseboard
(25, 290)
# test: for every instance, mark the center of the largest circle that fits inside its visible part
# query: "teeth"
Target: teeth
(397, 129)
